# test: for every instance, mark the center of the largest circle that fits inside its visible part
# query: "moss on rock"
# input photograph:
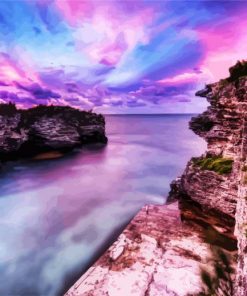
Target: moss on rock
(217, 164)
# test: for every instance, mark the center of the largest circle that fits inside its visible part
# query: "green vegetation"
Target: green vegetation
(238, 70)
(69, 114)
(219, 282)
(217, 164)
(223, 82)
(8, 109)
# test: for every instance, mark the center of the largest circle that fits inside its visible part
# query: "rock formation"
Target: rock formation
(222, 187)
(158, 254)
(165, 249)
(46, 128)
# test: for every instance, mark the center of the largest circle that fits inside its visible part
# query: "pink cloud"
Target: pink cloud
(107, 33)
(11, 71)
(184, 77)
(197, 77)
(224, 44)
(20, 83)
(75, 11)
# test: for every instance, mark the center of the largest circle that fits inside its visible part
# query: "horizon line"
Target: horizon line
(149, 113)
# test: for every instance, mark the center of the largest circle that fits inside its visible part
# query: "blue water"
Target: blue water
(56, 216)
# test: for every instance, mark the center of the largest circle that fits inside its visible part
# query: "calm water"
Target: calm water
(56, 216)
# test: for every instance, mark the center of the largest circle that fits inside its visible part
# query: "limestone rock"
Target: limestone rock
(157, 254)
(224, 127)
(44, 128)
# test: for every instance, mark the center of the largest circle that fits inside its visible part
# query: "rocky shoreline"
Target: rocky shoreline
(159, 254)
(24, 133)
(188, 247)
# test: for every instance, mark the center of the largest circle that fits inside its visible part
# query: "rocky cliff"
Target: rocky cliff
(165, 250)
(46, 128)
(217, 180)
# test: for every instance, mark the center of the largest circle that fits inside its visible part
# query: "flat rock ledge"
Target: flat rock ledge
(162, 251)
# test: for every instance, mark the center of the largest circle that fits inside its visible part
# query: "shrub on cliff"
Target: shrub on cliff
(8, 109)
(69, 114)
(220, 282)
(66, 112)
(238, 70)
(217, 164)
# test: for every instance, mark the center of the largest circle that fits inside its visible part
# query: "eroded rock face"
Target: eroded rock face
(241, 220)
(221, 125)
(241, 233)
(44, 128)
(211, 190)
(11, 137)
(224, 127)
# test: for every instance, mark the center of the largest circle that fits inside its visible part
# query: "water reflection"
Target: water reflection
(55, 215)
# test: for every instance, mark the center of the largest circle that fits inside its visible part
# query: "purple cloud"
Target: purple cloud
(2, 83)
(38, 92)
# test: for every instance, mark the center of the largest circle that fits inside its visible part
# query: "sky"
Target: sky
(115, 56)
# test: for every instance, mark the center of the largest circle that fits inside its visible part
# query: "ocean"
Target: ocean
(58, 215)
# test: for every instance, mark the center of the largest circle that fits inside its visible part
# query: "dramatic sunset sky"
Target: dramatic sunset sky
(118, 56)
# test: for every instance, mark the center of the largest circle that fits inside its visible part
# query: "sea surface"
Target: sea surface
(58, 215)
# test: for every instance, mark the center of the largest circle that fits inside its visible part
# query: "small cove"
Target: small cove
(58, 215)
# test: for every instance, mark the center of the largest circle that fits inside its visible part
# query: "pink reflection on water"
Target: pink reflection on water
(56, 215)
